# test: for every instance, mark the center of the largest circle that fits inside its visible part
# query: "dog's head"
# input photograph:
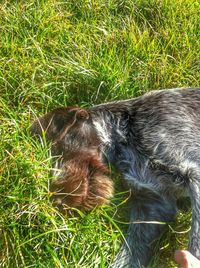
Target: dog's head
(70, 129)
(82, 181)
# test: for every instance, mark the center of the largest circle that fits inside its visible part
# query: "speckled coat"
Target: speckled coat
(154, 141)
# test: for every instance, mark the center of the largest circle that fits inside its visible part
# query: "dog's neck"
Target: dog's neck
(111, 127)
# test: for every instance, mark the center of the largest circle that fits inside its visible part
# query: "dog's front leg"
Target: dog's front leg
(148, 217)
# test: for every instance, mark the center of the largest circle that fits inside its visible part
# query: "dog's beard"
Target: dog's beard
(83, 184)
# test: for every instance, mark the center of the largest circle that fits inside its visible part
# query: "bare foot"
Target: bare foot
(186, 260)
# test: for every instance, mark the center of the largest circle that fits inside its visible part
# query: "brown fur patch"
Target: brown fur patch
(84, 185)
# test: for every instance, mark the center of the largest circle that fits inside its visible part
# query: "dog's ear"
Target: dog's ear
(66, 118)
(55, 122)
(50, 123)
(81, 115)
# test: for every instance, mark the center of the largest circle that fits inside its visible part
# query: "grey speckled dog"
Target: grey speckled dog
(153, 140)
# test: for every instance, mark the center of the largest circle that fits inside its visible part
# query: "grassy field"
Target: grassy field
(83, 52)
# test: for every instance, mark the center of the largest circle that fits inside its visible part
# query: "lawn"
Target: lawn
(82, 52)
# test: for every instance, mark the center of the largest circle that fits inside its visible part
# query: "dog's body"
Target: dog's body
(154, 141)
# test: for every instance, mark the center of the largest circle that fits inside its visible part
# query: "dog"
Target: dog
(154, 142)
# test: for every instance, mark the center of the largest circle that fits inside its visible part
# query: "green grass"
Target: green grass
(83, 52)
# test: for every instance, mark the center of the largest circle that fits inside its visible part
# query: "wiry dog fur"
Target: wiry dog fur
(153, 140)
(81, 179)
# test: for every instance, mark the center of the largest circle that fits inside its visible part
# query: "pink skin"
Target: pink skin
(186, 260)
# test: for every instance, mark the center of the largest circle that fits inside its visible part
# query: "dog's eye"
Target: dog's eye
(60, 122)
